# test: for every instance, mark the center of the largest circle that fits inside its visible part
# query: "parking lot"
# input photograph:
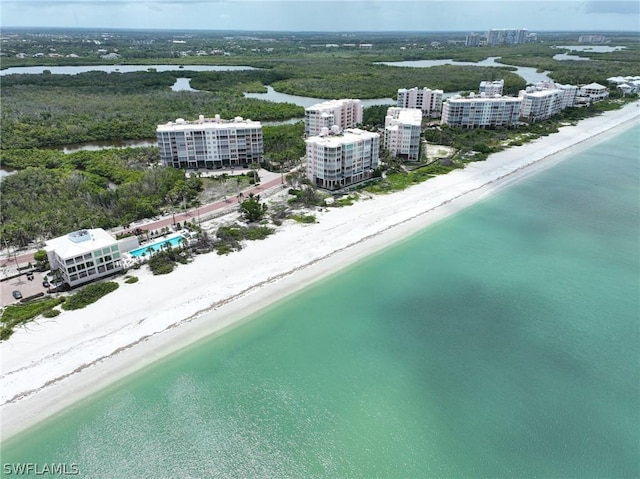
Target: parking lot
(21, 283)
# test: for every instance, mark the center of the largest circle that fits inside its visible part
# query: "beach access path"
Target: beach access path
(52, 363)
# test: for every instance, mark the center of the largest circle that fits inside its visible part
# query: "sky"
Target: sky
(325, 15)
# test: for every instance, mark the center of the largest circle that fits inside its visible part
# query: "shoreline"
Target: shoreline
(53, 363)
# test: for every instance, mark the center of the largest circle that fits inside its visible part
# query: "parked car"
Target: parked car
(17, 294)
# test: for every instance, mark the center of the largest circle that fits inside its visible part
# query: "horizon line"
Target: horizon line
(302, 31)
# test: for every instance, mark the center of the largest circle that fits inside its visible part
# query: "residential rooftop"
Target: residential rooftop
(80, 242)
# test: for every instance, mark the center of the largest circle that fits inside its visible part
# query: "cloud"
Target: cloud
(618, 7)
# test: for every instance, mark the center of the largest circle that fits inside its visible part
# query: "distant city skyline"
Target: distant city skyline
(325, 15)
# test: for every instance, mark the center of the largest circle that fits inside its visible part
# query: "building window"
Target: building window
(101, 269)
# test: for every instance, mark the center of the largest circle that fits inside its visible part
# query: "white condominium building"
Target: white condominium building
(87, 255)
(402, 128)
(479, 111)
(429, 101)
(540, 105)
(210, 142)
(546, 99)
(568, 92)
(491, 88)
(336, 160)
(346, 113)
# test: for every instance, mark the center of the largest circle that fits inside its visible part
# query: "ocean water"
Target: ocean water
(501, 342)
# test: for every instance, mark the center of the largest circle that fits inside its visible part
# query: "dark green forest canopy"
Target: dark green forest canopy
(57, 193)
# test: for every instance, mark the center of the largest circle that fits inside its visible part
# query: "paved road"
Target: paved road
(169, 220)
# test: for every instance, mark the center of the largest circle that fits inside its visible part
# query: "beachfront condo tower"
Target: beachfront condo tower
(402, 128)
(338, 159)
(346, 113)
(426, 99)
(481, 111)
(210, 143)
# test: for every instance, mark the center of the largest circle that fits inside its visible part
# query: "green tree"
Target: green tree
(251, 208)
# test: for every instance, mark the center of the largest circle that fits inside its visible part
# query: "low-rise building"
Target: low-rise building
(87, 255)
(338, 159)
(592, 92)
(402, 128)
(426, 99)
(345, 113)
(627, 85)
(481, 111)
(210, 143)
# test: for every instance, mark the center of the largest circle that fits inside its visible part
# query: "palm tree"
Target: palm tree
(254, 168)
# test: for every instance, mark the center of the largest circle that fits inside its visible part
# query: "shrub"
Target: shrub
(161, 263)
(131, 279)
(51, 313)
(304, 218)
(89, 294)
(5, 333)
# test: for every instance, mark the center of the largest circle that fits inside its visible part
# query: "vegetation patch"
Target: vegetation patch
(51, 313)
(228, 238)
(130, 279)
(16, 314)
(304, 218)
(89, 294)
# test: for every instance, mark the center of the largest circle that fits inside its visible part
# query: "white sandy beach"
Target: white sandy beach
(52, 363)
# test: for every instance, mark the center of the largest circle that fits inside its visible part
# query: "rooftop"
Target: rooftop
(403, 116)
(351, 135)
(80, 242)
(208, 123)
(331, 104)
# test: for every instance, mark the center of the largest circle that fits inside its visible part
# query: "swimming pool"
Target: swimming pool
(157, 246)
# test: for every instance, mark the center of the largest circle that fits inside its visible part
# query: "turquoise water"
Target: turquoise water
(501, 342)
(144, 250)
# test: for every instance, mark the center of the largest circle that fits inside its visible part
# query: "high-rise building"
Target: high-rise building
(508, 36)
(426, 99)
(346, 113)
(336, 160)
(472, 40)
(481, 111)
(540, 105)
(210, 142)
(402, 128)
